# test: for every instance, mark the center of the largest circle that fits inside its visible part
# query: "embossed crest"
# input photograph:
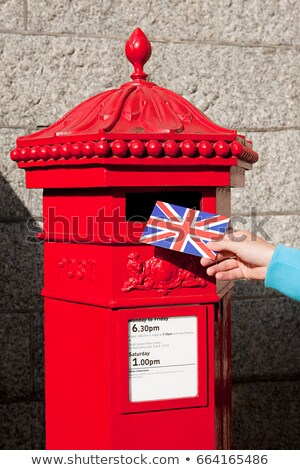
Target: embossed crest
(162, 273)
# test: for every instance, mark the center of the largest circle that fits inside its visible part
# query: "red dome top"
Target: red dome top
(150, 117)
(138, 107)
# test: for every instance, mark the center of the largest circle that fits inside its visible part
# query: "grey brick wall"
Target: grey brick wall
(238, 61)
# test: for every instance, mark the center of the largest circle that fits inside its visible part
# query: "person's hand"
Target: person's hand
(241, 255)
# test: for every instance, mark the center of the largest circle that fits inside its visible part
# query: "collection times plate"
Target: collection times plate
(162, 358)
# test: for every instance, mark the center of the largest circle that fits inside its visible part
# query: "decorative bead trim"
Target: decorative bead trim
(135, 148)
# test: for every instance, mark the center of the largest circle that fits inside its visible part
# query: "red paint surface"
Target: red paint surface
(137, 139)
(87, 403)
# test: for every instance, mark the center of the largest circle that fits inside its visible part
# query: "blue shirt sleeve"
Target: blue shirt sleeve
(283, 273)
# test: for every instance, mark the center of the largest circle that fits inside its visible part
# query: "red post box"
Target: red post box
(137, 338)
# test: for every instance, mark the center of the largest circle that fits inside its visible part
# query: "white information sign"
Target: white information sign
(162, 358)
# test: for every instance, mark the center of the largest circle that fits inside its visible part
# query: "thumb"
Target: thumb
(223, 245)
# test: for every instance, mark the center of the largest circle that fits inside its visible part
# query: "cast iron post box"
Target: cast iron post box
(137, 338)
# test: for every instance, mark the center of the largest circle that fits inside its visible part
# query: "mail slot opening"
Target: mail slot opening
(140, 205)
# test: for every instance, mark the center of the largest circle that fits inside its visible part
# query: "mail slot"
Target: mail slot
(137, 337)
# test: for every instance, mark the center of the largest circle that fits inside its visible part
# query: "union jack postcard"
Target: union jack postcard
(183, 229)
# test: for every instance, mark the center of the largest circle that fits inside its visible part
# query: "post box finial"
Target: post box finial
(138, 52)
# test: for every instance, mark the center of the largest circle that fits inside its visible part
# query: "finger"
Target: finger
(223, 245)
(224, 248)
(230, 275)
(206, 261)
(219, 257)
(223, 266)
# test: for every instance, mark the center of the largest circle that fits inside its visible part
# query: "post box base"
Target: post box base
(89, 381)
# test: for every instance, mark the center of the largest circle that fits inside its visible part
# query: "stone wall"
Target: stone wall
(234, 59)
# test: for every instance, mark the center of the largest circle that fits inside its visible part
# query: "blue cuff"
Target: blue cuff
(283, 272)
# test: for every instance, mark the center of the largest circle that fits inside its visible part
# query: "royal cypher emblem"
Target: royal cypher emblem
(169, 271)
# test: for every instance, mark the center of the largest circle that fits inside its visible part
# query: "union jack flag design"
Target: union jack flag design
(183, 229)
